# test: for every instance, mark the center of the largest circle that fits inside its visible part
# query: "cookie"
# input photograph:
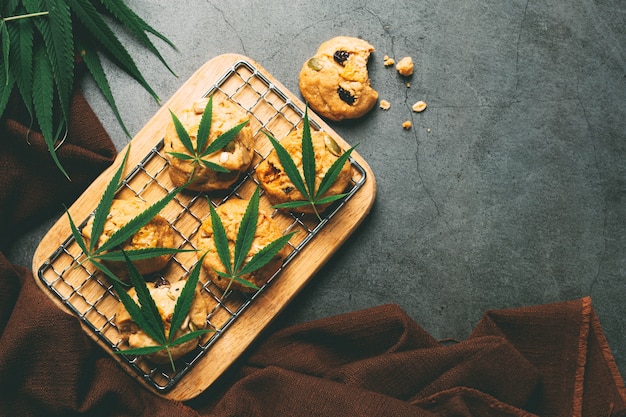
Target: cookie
(235, 157)
(335, 82)
(165, 296)
(276, 183)
(267, 231)
(157, 233)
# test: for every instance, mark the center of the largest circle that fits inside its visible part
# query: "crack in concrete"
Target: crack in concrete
(517, 46)
(418, 169)
(382, 25)
(603, 252)
(221, 13)
(613, 45)
(420, 175)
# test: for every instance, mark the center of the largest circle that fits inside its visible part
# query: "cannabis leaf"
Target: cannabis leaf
(40, 41)
(146, 314)
(306, 186)
(236, 268)
(201, 149)
(109, 250)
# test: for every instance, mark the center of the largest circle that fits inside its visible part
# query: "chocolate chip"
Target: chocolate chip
(275, 171)
(161, 281)
(341, 57)
(346, 96)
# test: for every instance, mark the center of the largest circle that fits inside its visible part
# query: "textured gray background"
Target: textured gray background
(510, 190)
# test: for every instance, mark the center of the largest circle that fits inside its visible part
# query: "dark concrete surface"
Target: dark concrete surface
(509, 190)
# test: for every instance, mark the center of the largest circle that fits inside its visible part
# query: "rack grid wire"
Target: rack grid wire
(89, 295)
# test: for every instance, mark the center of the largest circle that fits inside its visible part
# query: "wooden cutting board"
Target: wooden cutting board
(81, 291)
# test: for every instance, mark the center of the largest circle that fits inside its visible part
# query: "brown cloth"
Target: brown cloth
(546, 360)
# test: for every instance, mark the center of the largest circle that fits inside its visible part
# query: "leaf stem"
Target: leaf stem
(317, 214)
(24, 16)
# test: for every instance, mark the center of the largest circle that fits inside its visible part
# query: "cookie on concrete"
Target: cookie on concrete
(335, 82)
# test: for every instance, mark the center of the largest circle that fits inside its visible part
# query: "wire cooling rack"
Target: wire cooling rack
(89, 295)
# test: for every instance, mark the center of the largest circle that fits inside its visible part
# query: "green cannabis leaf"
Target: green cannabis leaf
(109, 250)
(236, 268)
(40, 41)
(146, 314)
(306, 185)
(201, 150)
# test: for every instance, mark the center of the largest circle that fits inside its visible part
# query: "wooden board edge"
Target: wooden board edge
(265, 310)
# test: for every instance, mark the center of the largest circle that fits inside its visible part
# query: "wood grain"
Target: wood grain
(86, 298)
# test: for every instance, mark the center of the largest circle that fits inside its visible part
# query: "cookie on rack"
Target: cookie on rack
(157, 233)
(231, 213)
(236, 156)
(165, 296)
(278, 186)
(335, 81)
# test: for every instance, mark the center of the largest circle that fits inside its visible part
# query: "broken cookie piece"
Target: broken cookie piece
(419, 106)
(405, 66)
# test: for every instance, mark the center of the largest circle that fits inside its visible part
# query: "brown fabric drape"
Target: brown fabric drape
(546, 360)
(30, 184)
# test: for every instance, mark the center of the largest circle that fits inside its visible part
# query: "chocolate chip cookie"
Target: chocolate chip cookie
(165, 296)
(235, 157)
(157, 233)
(335, 82)
(231, 213)
(276, 183)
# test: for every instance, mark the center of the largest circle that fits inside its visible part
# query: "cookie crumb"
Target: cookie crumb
(428, 130)
(388, 61)
(408, 85)
(405, 66)
(385, 105)
(419, 107)
(407, 125)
